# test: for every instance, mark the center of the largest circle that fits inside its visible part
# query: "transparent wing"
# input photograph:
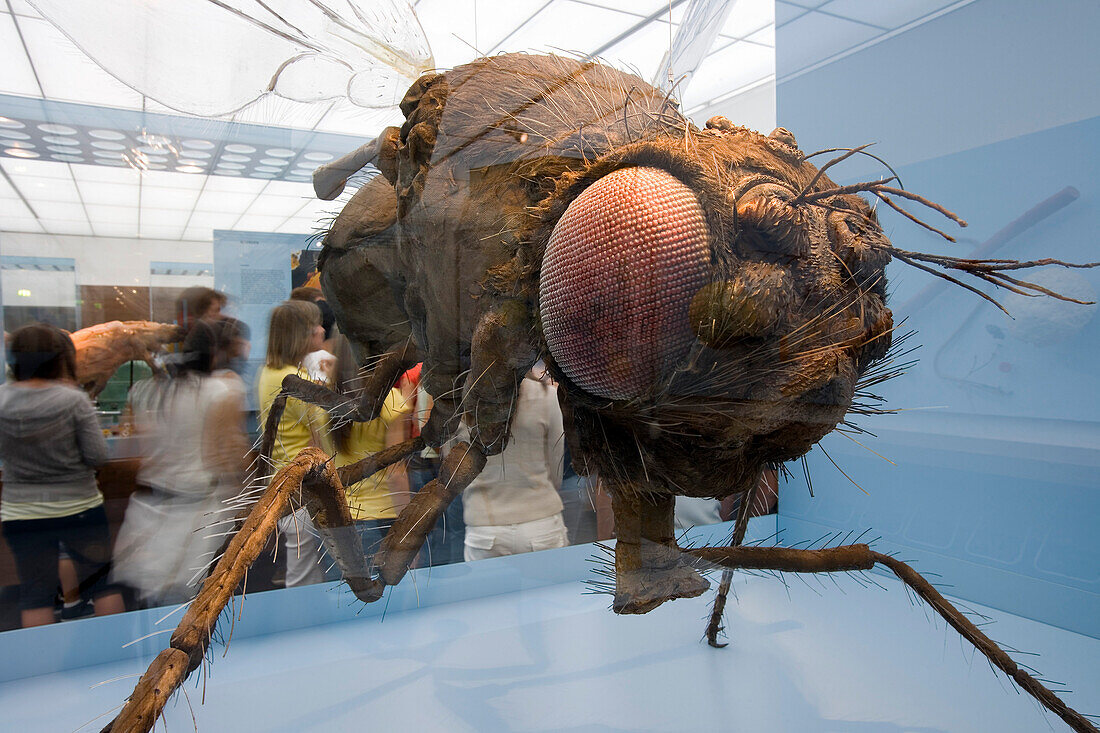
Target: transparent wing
(214, 57)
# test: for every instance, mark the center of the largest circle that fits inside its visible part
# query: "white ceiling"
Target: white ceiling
(37, 61)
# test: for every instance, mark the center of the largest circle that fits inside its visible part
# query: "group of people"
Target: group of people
(195, 450)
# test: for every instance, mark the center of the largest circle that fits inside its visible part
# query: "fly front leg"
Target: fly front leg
(849, 558)
(714, 627)
(649, 567)
(411, 528)
(500, 354)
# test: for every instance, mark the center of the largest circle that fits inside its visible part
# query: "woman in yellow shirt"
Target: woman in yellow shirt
(294, 331)
(376, 500)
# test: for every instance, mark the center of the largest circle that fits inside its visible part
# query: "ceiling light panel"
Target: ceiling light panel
(35, 168)
(100, 213)
(22, 7)
(495, 28)
(271, 205)
(65, 226)
(747, 17)
(100, 174)
(886, 15)
(37, 189)
(451, 27)
(225, 202)
(110, 194)
(573, 28)
(785, 12)
(636, 8)
(253, 223)
(165, 217)
(208, 221)
(738, 65)
(69, 75)
(160, 231)
(59, 210)
(809, 40)
(115, 228)
(16, 75)
(159, 197)
(764, 37)
(13, 208)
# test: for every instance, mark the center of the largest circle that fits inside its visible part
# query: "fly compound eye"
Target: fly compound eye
(621, 269)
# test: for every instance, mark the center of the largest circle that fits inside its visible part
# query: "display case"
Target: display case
(137, 170)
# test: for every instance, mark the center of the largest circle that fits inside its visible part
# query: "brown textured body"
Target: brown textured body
(444, 258)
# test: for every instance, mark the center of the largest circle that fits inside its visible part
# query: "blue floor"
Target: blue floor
(811, 657)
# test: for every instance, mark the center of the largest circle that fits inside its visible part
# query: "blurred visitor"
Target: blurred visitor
(292, 334)
(50, 445)
(198, 303)
(191, 428)
(513, 505)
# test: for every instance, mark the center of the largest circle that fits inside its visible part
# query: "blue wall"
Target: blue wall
(992, 111)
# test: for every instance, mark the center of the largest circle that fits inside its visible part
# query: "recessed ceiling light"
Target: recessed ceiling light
(191, 163)
(281, 153)
(67, 158)
(106, 134)
(238, 148)
(55, 140)
(52, 129)
(112, 161)
(272, 161)
(21, 144)
(63, 150)
(13, 135)
(197, 154)
(263, 175)
(11, 124)
(104, 145)
(319, 157)
(296, 178)
(197, 144)
(226, 172)
(18, 153)
(231, 166)
(230, 158)
(156, 166)
(189, 169)
(302, 172)
(112, 154)
(266, 169)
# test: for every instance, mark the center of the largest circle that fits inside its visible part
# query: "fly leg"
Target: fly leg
(714, 627)
(341, 407)
(861, 557)
(192, 636)
(500, 355)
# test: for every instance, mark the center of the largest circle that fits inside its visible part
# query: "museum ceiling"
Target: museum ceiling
(83, 154)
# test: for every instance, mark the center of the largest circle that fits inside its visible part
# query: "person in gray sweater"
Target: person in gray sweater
(513, 505)
(50, 445)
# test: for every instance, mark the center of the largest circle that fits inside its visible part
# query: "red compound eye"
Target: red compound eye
(620, 270)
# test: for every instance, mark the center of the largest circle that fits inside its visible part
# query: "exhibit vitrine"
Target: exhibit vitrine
(706, 302)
